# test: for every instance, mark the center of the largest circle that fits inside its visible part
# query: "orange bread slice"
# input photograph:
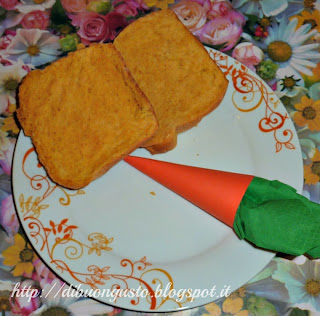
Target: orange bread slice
(175, 72)
(84, 113)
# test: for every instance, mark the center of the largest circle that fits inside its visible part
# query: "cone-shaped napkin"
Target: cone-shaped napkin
(270, 214)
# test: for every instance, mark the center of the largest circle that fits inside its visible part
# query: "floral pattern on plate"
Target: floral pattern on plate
(245, 29)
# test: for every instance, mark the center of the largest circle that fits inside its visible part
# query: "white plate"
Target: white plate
(156, 236)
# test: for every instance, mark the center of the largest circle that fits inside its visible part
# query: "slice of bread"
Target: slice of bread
(175, 72)
(84, 113)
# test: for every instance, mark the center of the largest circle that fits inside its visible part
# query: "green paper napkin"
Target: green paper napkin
(273, 216)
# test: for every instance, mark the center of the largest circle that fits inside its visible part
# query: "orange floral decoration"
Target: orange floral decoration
(251, 93)
(308, 113)
(63, 235)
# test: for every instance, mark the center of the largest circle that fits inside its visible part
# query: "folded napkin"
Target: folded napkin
(269, 214)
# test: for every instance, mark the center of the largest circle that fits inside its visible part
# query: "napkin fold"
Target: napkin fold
(272, 215)
(269, 214)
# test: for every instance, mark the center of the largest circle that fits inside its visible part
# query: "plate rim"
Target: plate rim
(122, 305)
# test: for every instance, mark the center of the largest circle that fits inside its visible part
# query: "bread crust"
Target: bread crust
(135, 48)
(95, 145)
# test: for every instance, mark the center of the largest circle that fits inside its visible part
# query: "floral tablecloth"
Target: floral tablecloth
(279, 40)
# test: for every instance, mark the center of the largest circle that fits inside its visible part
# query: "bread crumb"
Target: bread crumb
(152, 193)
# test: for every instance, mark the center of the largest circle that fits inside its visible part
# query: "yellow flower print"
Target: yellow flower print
(213, 309)
(240, 292)
(12, 108)
(316, 71)
(161, 4)
(306, 17)
(309, 80)
(20, 255)
(80, 46)
(232, 305)
(308, 113)
(312, 171)
(9, 124)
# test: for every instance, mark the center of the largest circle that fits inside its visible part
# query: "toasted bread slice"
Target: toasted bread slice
(175, 72)
(84, 113)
